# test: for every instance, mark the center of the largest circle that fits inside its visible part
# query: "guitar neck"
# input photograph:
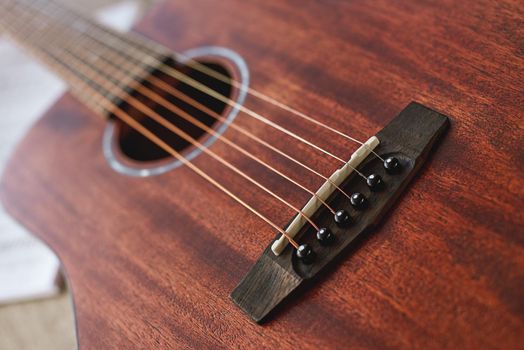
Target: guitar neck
(78, 49)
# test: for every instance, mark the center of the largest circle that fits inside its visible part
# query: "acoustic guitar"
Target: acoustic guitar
(282, 174)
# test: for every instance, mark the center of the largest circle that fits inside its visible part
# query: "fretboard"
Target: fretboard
(82, 52)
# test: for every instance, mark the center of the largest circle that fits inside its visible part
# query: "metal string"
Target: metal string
(205, 89)
(157, 98)
(92, 74)
(159, 119)
(179, 95)
(110, 107)
(145, 91)
(147, 44)
(142, 89)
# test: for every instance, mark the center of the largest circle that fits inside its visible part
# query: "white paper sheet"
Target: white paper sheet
(28, 269)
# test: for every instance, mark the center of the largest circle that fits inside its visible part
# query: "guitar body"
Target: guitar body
(151, 261)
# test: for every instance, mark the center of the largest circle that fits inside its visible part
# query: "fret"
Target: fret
(67, 41)
(24, 31)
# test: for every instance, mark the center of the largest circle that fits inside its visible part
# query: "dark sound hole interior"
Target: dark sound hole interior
(137, 147)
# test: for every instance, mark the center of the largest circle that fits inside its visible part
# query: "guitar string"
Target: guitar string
(162, 85)
(119, 93)
(148, 44)
(112, 108)
(237, 172)
(144, 91)
(139, 106)
(212, 93)
(179, 95)
(88, 71)
(176, 93)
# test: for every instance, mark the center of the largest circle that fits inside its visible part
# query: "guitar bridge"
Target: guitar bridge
(394, 156)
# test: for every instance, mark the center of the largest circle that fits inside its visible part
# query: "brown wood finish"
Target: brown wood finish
(151, 261)
(409, 138)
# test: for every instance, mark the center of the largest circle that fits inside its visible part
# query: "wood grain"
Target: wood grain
(409, 137)
(151, 261)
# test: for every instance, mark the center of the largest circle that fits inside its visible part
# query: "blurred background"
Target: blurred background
(36, 310)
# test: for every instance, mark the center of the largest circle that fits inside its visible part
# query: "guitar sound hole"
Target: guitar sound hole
(138, 148)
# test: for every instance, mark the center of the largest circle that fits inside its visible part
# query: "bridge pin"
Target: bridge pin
(392, 165)
(342, 218)
(358, 201)
(375, 182)
(305, 253)
(325, 236)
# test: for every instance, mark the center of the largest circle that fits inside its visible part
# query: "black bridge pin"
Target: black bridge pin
(358, 201)
(305, 253)
(375, 182)
(392, 165)
(342, 218)
(325, 236)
